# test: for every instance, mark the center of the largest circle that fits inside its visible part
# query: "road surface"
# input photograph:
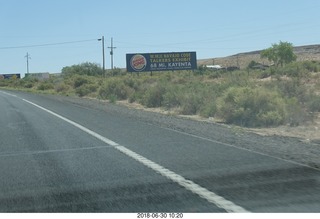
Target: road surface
(57, 156)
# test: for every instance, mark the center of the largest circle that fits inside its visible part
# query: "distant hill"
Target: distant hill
(310, 52)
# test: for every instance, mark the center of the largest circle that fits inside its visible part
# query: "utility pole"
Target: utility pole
(103, 58)
(28, 57)
(111, 52)
(238, 61)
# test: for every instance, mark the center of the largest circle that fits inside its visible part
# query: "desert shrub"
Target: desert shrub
(79, 81)
(311, 66)
(134, 97)
(61, 88)
(154, 96)
(86, 89)
(45, 86)
(112, 98)
(208, 109)
(289, 88)
(296, 112)
(299, 69)
(313, 103)
(214, 74)
(237, 78)
(115, 88)
(172, 97)
(132, 83)
(252, 107)
(190, 103)
(116, 72)
(3, 83)
(86, 68)
(28, 85)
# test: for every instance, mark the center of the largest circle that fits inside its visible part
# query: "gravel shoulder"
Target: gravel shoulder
(299, 149)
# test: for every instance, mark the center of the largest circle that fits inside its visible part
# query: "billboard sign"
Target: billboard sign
(9, 76)
(141, 62)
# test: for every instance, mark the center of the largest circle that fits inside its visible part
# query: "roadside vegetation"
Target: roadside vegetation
(284, 94)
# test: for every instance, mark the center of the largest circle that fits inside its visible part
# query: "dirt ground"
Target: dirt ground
(309, 132)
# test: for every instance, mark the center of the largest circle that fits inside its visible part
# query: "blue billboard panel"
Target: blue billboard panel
(141, 62)
(9, 76)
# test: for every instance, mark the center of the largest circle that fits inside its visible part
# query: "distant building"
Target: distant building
(260, 66)
(217, 67)
(39, 76)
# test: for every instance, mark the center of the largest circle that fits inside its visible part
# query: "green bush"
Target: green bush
(28, 85)
(79, 81)
(3, 83)
(296, 112)
(154, 96)
(289, 88)
(132, 83)
(252, 107)
(61, 88)
(311, 66)
(314, 103)
(113, 98)
(172, 97)
(45, 86)
(85, 89)
(190, 103)
(115, 88)
(86, 68)
(208, 109)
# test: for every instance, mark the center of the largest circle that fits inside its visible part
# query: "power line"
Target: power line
(47, 44)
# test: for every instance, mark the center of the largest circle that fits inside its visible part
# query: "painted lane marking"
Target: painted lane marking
(8, 94)
(187, 184)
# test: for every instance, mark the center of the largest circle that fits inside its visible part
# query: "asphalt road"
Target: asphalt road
(56, 156)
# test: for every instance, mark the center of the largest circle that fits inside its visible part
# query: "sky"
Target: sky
(59, 33)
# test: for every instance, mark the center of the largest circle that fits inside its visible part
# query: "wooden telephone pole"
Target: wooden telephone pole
(111, 52)
(28, 57)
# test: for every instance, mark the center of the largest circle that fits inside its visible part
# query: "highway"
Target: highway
(58, 156)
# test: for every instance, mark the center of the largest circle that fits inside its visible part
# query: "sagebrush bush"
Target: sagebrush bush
(28, 85)
(311, 66)
(172, 97)
(115, 88)
(132, 83)
(252, 107)
(296, 112)
(208, 108)
(190, 103)
(3, 83)
(80, 80)
(313, 103)
(289, 88)
(86, 89)
(61, 88)
(45, 86)
(154, 96)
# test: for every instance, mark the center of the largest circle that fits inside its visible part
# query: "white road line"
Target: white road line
(187, 184)
(8, 94)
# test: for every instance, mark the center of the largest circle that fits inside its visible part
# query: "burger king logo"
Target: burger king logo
(138, 62)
